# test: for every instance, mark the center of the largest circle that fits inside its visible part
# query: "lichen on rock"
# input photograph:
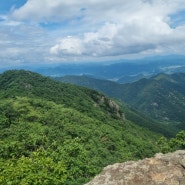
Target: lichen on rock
(163, 169)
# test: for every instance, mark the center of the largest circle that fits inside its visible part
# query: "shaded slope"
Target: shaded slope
(160, 97)
(108, 87)
(25, 83)
(123, 93)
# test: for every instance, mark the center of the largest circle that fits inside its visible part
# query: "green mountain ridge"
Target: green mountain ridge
(57, 133)
(160, 97)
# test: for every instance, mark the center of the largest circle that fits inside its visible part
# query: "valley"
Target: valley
(160, 97)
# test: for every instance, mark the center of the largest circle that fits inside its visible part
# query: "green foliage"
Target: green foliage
(38, 168)
(176, 143)
(146, 122)
(160, 97)
(52, 133)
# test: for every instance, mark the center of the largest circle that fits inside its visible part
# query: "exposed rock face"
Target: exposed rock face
(163, 169)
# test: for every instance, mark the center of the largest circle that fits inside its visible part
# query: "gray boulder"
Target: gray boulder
(163, 169)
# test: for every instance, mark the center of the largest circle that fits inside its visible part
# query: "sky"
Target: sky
(36, 32)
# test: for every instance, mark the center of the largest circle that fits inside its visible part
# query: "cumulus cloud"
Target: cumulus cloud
(128, 27)
(108, 28)
(69, 45)
(131, 36)
(92, 43)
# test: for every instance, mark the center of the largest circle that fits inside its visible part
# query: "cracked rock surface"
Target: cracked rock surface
(163, 169)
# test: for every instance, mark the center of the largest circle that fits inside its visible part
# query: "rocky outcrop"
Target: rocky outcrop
(163, 169)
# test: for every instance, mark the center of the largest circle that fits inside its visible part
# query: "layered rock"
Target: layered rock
(163, 169)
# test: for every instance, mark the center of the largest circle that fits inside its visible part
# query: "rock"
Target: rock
(163, 169)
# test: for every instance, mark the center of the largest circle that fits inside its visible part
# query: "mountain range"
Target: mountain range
(161, 97)
(121, 71)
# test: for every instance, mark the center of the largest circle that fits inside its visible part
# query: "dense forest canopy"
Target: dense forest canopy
(56, 133)
(160, 97)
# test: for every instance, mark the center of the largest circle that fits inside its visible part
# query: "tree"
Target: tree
(37, 169)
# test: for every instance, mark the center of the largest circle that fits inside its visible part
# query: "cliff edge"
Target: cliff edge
(163, 169)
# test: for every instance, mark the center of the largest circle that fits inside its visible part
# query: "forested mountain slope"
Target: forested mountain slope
(116, 90)
(161, 97)
(56, 133)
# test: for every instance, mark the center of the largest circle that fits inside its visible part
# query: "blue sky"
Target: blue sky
(36, 32)
(6, 6)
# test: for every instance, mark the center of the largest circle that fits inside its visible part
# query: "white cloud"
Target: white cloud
(94, 10)
(110, 28)
(130, 28)
(47, 10)
(69, 45)
(132, 37)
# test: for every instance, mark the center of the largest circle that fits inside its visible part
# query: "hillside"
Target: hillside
(160, 97)
(115, 90)
(108, 87)
(56, 133)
